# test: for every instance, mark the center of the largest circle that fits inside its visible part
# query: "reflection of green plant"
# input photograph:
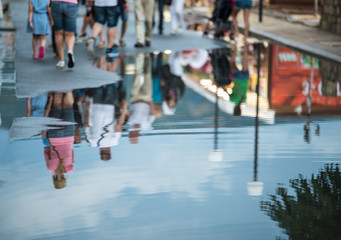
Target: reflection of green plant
(315, 211)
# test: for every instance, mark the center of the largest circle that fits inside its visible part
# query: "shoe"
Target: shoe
(115, 45)
(147, 43)
(122, 43)
(111, 54)
(41, 52)
(101, 45)
(173, 32)
(82, 38)
(138, 45)
(180, 30)
(60, 64)
(90, 43)
(71, 62)
(35, 56)
(160, 32)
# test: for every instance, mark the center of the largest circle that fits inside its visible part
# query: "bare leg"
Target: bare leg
(123, 30)
(114, 38)
(68, 100)
(110, 36)
(35, 44)
(59, 39)
(42, 39)
(70, 40)
(96, 29)
(235, 22)
(246, 22)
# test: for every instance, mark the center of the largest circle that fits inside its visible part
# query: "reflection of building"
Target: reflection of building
(290, 76)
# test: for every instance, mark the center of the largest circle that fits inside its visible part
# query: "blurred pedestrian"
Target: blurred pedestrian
(160, 6)
(89, 20)
(123, 9)
(246, 6)
(143, 16)
(39, 20)
(105, 13)
(176, 9)
(64, 13)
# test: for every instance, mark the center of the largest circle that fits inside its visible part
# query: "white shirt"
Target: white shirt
(101, 132)
(140, 114)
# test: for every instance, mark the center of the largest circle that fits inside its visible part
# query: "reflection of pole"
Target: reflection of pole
(255, 188)
(316, 8)
(310, 86)
(259, 48)
(260, 14)
(216, 123)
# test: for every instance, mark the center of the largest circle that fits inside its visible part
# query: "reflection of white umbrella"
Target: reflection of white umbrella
(255, 188)
(196, 59)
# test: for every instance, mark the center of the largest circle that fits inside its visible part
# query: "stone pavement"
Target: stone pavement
(306, 39)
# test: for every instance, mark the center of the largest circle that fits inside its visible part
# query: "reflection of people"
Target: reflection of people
(141, 109)
(101, 127)
(156, 78)
(241, 81)
(59, 155)
(36, 106)
(220, 60)
(173, 87)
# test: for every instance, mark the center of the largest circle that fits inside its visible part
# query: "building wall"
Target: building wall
(331, 16)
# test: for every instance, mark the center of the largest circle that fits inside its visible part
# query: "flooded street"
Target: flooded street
(180, 146)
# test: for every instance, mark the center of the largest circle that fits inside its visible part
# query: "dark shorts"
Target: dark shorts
(66, 130)
(64, 16)
(241, 75)
(106, 15)
(121, 13)
(243, 4)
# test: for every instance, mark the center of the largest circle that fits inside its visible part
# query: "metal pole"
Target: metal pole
(260, 14)
(316, 8)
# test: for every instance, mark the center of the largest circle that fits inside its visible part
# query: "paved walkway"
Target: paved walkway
(309, 40)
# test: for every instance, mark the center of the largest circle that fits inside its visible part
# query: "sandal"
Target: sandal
(35, 56)
(101, 45)
(122, 43)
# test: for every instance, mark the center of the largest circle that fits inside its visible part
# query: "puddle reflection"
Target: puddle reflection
(185, 136)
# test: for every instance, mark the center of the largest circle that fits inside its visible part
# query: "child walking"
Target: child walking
(39, 20)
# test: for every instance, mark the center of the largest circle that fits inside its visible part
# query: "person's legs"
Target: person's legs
(68, 100)
(70, 42)
(179, 9)
(161, 5)
(123, 30)
(235, 12)
(42, 40)
(35, 45)
(112, 14)
(148, 9)
(174, 20)
(59, 39)
(111, 33)
(246, 22)
(139, 18)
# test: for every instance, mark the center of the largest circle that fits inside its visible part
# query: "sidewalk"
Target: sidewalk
(305, 39)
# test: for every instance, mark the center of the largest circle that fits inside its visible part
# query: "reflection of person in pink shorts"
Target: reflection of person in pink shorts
(246, 6)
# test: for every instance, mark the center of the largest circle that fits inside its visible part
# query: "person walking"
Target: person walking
(123, 9)
(105, 13)
(143, 15)
(246, 6)
(39, 19)
(177, 20)
(64, 14)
